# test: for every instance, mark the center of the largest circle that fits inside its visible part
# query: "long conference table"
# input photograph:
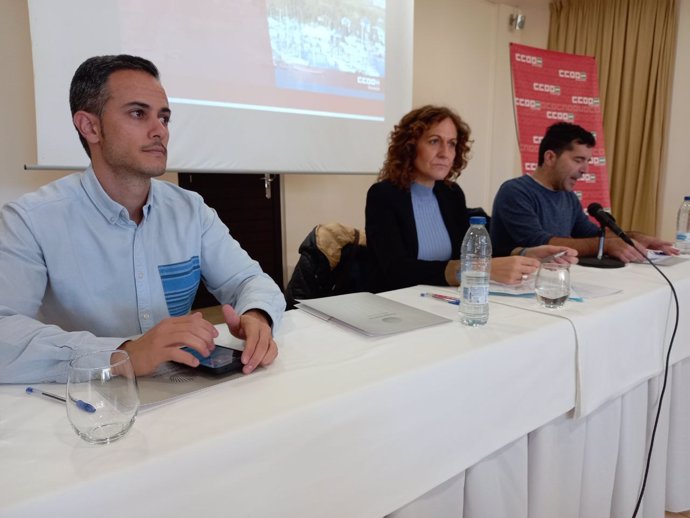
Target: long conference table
(537, 414)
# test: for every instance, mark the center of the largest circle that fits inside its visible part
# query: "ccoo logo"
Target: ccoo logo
(589, 101)
(560, 116)
(535, 61)
(528, 103)
(550, 89)
(572, 74)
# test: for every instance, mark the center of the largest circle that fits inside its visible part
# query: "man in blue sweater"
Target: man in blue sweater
(543, 209)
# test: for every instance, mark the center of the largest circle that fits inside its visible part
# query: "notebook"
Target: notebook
(370, 314)
(661, 259)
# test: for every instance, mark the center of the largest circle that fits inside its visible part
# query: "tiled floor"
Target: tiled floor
(213, 314)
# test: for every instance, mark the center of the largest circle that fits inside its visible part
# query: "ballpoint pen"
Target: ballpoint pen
(80, 404)
(553, 257)
(439, 296)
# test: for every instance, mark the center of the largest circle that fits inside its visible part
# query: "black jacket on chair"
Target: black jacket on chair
(313, 276)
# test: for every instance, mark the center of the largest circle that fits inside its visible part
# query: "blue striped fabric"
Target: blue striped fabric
(180, 282)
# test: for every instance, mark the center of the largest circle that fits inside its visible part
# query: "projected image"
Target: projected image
(330, 46)
(315, 57)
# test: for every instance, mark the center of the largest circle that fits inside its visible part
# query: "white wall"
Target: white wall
(676, 182)
(309, 199)
(17, 116)
(461, 59)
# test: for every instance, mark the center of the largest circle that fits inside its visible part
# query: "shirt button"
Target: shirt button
(146, 315)
(140, 275)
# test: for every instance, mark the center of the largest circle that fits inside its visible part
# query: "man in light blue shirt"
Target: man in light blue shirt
(111, 258)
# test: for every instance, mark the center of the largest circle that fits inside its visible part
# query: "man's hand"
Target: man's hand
(616, 247)
(254, 328)
(162, 343)
(654, 243)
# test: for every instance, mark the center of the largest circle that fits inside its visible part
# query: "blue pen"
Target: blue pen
(439, 296)
(86, 407)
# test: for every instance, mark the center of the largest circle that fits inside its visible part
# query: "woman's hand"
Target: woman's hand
(545, 253)
(453, 272)
(513, 269)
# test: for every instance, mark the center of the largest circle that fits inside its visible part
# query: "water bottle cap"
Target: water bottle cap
(477, 220)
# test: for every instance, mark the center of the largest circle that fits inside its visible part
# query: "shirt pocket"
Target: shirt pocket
(180, 282)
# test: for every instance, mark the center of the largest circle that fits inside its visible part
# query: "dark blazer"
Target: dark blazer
(392, 235)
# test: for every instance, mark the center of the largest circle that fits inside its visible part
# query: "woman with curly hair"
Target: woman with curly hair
(416, 216)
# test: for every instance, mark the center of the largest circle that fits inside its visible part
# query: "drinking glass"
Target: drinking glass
(552, 285)
(104, 380)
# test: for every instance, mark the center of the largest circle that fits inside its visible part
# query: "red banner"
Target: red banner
(550, 87)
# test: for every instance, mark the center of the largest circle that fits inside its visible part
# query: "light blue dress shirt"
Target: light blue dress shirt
(77, 274)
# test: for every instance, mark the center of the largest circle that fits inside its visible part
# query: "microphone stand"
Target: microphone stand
(602, 236)
(601, 260)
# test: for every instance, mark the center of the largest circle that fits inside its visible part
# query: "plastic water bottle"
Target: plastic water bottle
(683, 228)
(474, 277)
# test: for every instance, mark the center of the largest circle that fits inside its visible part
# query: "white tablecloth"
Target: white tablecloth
(344, 425)
(621, 338)
(593, 465)
(340, 425)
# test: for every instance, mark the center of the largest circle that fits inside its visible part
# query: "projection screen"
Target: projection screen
(279, 86)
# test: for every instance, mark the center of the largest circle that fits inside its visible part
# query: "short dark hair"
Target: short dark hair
(561, 137)
(88, 91)
(398, 167)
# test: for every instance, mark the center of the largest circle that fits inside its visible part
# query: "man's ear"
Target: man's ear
(88, 125)
(550, 157)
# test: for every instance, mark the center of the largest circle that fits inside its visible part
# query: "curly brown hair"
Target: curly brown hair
(398, 167)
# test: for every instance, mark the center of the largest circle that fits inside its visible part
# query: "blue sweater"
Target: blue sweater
(432, 235)
(526, 213)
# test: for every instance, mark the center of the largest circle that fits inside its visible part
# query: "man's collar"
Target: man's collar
(109, 208)
(537, 179)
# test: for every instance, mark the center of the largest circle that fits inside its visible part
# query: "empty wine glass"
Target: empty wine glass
(552, 285)
(105, 382)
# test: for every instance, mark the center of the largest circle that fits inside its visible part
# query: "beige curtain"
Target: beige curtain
(633, 42)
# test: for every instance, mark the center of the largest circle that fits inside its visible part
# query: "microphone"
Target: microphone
(606, 220)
